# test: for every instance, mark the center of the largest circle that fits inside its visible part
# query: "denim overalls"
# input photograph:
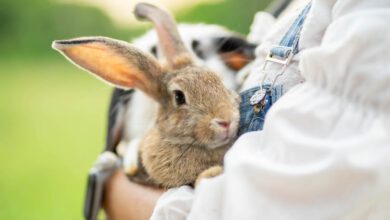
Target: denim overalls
(250, 119)
(254, 109)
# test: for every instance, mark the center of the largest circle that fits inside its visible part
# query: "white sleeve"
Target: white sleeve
(174, 204)
(325, 148)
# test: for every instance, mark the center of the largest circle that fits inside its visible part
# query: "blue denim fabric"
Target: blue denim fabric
(289, 42)
(249, 119)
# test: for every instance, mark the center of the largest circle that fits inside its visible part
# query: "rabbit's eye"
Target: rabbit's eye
(179, 97)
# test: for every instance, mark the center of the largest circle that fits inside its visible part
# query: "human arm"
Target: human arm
(124, 199)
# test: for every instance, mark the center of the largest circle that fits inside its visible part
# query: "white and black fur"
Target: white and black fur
(131, 113)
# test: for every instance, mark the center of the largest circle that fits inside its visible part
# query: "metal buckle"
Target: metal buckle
(282, 61)
(259, 95)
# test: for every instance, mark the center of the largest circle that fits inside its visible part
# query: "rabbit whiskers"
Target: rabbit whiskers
(186, 150)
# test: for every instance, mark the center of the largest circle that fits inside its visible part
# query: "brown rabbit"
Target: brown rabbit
(197, 118)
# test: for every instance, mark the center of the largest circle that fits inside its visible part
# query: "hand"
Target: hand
(124, 199)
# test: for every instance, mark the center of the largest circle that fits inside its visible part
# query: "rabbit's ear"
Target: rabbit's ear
(116, 62)
(170, 41)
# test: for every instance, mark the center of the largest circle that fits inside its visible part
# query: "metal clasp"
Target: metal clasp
(259, 95)
(283, 61)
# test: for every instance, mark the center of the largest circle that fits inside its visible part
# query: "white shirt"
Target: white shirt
(324, 152)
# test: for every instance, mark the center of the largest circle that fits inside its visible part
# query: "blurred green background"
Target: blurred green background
(53, 115)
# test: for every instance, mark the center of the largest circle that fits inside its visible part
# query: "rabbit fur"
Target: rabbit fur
(197, 116)
(132, 113)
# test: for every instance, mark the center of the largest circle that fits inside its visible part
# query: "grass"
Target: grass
(52, 127)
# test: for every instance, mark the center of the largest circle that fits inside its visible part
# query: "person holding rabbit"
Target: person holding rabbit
(323, 149)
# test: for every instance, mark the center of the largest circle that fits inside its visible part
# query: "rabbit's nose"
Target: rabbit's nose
(222, 123)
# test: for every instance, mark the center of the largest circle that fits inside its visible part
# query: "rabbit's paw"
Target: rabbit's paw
(107, 160)
(130, 159)
(209, 173)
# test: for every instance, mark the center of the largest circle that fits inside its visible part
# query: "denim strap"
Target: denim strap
(256, 102)
(289, 42)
